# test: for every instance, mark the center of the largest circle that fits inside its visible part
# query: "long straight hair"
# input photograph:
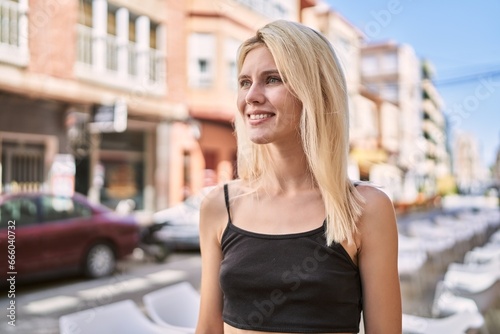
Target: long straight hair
(311, 71)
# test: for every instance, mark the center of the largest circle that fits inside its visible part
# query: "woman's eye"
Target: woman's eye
(244, 83)
(273, 80)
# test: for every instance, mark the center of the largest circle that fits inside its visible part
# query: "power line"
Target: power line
(466, 78)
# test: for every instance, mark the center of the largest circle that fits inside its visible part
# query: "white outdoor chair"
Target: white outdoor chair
(462, 231)
(122, 317)
(458, 323)
(411, 259)
(492, 268)
(175, 306)
(438, 241)
(488, 253)
(445, 303)
(411, 255)
(482, 287)
(495, 237)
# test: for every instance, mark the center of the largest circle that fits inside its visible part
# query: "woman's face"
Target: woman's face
(271, 112)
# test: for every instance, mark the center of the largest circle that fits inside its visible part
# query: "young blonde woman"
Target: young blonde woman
(293, 246)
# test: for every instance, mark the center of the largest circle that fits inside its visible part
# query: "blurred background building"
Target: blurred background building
(471, 176)
(135, 99)
(88, 80)
(437, 173)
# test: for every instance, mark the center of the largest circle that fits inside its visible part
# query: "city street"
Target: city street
(118, 117)
(39, 305)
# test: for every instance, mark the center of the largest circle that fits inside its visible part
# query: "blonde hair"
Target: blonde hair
(309, 67)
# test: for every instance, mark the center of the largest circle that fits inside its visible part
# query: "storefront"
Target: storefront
(122, 166)
(154, 162)
(32, 134)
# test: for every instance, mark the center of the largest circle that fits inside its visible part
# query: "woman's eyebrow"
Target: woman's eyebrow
(243, 76)
(263, 73)
(267, 72)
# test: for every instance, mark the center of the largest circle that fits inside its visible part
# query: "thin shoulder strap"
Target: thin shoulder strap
(226, 198)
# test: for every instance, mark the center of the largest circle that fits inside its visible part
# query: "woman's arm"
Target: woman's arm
(378, 264)
(213, 219)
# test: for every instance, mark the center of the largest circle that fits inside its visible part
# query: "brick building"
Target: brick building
(64, 62)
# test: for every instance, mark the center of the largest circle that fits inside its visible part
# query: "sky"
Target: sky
(462, 41)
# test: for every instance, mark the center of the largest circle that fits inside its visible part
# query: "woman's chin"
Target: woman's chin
(260, 140)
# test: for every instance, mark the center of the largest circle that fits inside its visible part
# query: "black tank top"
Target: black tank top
(288, 283)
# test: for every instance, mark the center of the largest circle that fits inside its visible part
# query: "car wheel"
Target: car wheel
(100, 261)
(161, 252)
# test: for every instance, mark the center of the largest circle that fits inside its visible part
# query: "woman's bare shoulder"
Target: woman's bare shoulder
(378, 218)
(214, 213)
(378, 210)
(375, 198)
(213, 202)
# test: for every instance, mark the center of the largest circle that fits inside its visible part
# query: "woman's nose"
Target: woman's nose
(255, 94)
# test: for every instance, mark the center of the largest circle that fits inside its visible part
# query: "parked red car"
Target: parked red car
(43, 233)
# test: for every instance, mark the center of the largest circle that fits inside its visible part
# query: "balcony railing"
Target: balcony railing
(132, 59)
(13, 32)
(157, 68)
(9, 28)
(112, 53)
(122, 63)
(84, 52)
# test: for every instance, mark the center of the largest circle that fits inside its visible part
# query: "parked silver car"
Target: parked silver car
(181, 230)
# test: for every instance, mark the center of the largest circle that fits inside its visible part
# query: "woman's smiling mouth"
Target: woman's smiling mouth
(259, 116)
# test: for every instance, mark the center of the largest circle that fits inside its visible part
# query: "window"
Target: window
(111, 29)
(122, 162)
(22, 210)
(369, 65)
(203, 65)
(202, 55)
(112, 42)
(122, 180)
(132, 28)
(389, 63)
(273, 9)
(372, 87)
(344, 46)
(22, 166)
(14, 32)
(85, 13)
(230, 50)
(390, 92)
(153, 35)
(60, 208)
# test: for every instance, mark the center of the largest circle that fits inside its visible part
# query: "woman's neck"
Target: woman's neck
(289, 172)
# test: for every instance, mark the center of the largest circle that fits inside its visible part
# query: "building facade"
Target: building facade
(68, 72)
(470, 174)
(438, 177)
(392, 71)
